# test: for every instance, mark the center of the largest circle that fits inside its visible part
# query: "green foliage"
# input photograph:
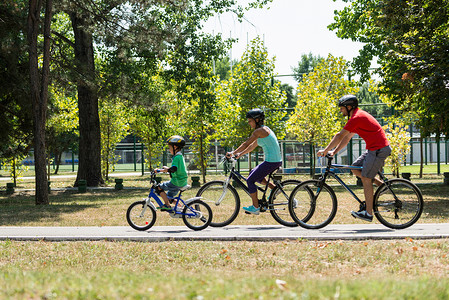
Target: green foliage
(306, 65)
(114, 126)
(15, 167)
(371, 101)
(249, 87)
(193, 81)
(399, 138)
(152, 122)
(316, 118)
(15, 107)
(410, 40)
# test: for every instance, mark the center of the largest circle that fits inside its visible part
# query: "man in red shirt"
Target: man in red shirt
(377, 148)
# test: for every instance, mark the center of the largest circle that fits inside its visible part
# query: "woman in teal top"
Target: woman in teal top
(262, 136)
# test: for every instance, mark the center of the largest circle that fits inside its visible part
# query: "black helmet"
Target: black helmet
(176, 140)
(256, 113)
(348, 100)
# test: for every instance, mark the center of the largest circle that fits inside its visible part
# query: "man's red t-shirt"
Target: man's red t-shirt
(367, 127)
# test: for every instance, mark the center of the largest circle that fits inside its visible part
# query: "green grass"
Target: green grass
(403, 269)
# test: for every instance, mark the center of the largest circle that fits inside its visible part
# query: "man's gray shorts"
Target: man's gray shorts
(372, 161)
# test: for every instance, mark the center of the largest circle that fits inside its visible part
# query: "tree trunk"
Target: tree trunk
(58, 156)
(202, 155)
(39, 93)
(89, 167)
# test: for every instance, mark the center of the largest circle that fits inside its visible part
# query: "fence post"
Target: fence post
(135, 153)
(143, 159)
(437, 138)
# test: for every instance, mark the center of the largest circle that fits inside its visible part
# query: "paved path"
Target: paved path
(229, 233)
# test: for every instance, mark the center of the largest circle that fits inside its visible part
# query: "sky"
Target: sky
(289, 28)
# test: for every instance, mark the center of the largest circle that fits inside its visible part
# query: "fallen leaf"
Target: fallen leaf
(281, 284)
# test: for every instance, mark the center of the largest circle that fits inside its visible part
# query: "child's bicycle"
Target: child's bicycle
(225, 201)
(196, 214)
(398, 203)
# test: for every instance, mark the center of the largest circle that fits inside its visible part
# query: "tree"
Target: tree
(316, 118)
(399, 138)
(141, 36)
(410, 40)
(249, 87)
(62, 124)
(114, 126)
(306, 65)
(39, 92)
(16, 114)
(193, 81)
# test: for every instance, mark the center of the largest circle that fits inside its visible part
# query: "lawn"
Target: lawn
(403, 269)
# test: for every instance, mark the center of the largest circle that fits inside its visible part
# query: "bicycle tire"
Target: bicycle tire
(138, 222)
(278, 203)
(228, 209)
(303, 207)
(203, 215)
(402, 212)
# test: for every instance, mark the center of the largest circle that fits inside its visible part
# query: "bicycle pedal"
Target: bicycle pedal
(247, 212)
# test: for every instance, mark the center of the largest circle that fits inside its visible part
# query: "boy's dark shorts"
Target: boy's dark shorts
(372, 161)
(171, 189)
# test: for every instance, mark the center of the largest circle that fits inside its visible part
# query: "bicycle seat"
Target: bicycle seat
(185, 188)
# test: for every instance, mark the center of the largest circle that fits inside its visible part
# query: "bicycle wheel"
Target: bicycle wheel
(138, 218)
(197, 215)
(224, 202)
(278, 203)
(312, 207)
(400, 206)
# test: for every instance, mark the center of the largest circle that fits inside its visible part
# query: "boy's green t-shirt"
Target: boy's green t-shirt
(179, 178)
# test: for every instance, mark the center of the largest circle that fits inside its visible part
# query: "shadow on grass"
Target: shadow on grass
(436, 200)
(19, 209)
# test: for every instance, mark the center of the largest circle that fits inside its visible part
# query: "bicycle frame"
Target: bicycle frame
(241, 181)
(153, 195)
(330, 171)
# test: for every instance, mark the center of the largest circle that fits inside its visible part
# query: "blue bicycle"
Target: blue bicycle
(196, 214)
(398, 203)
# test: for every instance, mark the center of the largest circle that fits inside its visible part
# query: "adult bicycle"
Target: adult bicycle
(398, 203)
(224, 200)
(196, 214)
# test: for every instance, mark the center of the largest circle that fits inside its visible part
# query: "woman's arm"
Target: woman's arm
(249, 145)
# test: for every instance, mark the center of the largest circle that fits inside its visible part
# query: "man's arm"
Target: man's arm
(339, 141)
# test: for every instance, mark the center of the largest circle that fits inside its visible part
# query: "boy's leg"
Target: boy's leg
(165, 198)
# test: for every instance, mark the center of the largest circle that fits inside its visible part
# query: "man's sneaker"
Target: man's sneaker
(363, 215)
(252, 210)
(165, 208)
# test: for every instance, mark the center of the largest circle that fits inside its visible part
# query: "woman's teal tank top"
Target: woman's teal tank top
(270, 146)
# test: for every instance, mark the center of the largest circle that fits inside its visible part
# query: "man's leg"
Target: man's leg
(358, 173)
(368, 191)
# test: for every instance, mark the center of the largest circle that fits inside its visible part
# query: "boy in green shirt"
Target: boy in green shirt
(177, 171)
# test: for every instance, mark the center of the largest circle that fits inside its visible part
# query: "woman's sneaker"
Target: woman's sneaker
(252, 210)
(363, 215)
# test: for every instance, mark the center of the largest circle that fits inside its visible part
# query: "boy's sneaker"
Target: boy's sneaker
(165, 208)
(252, 210)
(363, 215)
